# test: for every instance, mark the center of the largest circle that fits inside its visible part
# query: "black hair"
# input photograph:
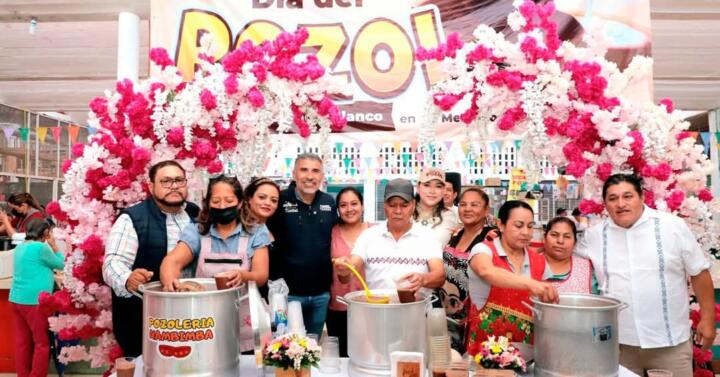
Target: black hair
(341, 193)
(203, 219)
(560, 210)
(154, 169)
(477, 190)
(35, 229)
(616, 179)
(454, 179)
(561, 220)
(576, 212)
(507, 207)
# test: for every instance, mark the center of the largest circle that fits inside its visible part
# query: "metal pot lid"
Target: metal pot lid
(581, 301)
(155, 289)
(260, 323)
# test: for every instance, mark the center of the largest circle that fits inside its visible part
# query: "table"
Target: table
(248, 369)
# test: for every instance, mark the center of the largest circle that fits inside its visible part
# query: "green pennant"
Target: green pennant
(24, 133)
(288, 160)
(717, 137)
(406, 158)
(338, 147)
(517, 144)
(346, 162)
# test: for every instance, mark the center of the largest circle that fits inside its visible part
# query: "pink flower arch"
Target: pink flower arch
(568, 106)
(223, 115)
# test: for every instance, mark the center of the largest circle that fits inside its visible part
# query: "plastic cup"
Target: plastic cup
(295, 318)
(405, 294)
(222, 281)
(330, 355)
(125, 366)
(659, 373)
(438, 369)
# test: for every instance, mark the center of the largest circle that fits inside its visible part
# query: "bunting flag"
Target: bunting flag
(55, 133)
(398, 146)
(368, 161)
(352, 171)
(74, 131)
(288, 160)
(706, 141)
(92, 131)
(42, 134)
(338, 147)
(517, 145)
(448, 145)
(405, 158)
(346, 162)
(24, 133)
(717, 137)
(8, 131)
(357, 146)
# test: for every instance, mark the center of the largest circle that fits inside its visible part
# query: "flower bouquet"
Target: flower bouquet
(499, 358)
(292, 355)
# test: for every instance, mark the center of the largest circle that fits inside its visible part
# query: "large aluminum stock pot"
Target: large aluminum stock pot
(191, 333)
(376, 330)
(577, 337)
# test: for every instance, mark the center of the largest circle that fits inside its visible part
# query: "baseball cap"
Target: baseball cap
(431, 174)
(399, 187)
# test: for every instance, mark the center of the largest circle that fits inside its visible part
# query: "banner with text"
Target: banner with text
(370, 43)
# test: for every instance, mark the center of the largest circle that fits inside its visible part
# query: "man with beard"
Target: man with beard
(302, 226)
(139, 240)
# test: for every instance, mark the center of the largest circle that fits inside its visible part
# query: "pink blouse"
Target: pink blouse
(340, 248)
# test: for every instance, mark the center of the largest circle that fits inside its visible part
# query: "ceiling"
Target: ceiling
(71, 58)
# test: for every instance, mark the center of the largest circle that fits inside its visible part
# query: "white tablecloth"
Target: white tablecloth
(248, 369)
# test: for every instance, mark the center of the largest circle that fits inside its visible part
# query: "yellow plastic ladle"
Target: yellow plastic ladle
(369, 297)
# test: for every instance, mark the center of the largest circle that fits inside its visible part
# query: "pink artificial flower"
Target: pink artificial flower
(231, 84)
(705, 195)
(701, 372)
(78, 149)
(682, 135)
(675, 200)
(649, 198)
(215, 166)
(481, 53)
(447, 49)
(259, 69)
(510, 118)
(604, 171)
(700, 356)
(208, 100)
(668, 104)
(256, 98)
(590, 207)
(160, 57)
(176, 136)
(446, 101)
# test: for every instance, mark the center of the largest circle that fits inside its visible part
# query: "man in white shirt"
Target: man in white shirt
(399, 248)
(643, 257)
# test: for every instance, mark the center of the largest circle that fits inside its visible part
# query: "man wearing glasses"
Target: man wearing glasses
(139, 240)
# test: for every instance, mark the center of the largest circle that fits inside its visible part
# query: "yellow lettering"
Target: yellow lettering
(383, 35)
(258, 31)
(328, 42)
(194, 23)
(425, 27)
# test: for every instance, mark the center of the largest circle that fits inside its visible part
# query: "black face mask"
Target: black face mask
(15, 213)
(223, 216)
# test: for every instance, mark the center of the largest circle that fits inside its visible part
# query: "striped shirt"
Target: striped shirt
(122, 245)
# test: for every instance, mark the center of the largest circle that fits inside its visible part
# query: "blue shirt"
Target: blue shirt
(259, 238)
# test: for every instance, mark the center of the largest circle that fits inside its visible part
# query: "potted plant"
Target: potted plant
(292, 355)
(499, 358)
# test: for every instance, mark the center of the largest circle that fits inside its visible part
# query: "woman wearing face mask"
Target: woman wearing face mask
(570, 273)
(344, 235)
(221, 242)
(33, 264)
(430, 211)
(23, 208)
(473, 208)
(505, 273)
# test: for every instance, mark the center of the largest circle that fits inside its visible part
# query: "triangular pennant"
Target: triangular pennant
(92, 131)
(42, 134)
(706, 141)
(288, 161)
(448, 145)
(8, 131)
(397, 146)
(406, 158)
(517, 144)
(717, 136)
(74, 131)
(24, 133)
(368, 161)
(346, 162)
(338, 147)
(55, 132)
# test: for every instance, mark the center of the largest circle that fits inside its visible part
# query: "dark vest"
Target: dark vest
(149, 223)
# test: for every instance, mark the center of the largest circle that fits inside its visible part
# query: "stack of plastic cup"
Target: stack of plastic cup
(438, 338)
(295, 318)
(330, 355)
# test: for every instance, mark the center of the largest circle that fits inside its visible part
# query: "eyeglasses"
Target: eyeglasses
(169, 182)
